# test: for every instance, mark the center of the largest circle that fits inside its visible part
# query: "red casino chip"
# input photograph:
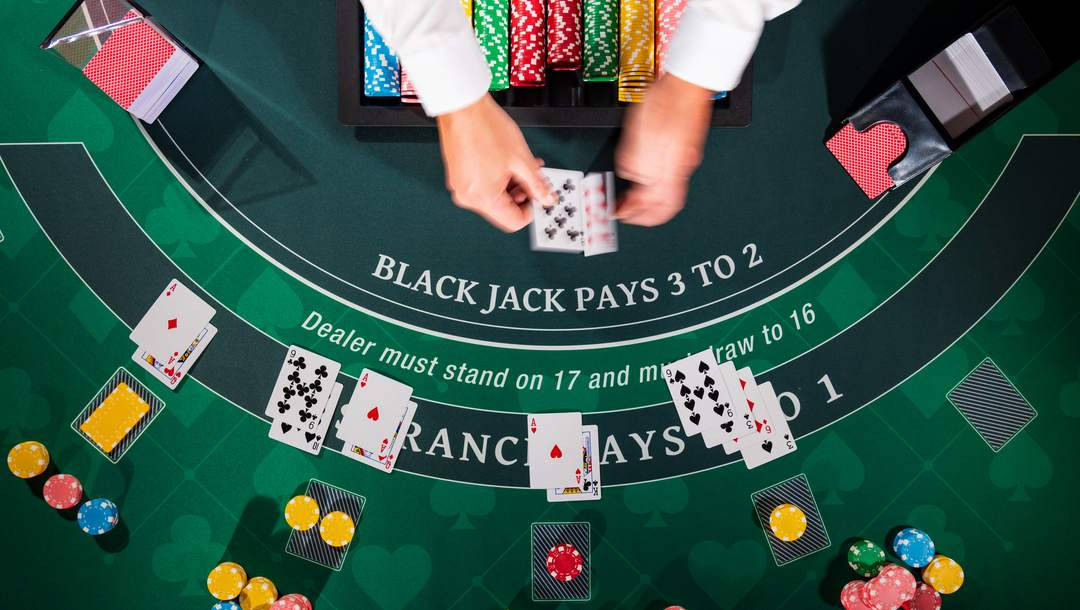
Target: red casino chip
(564, 562)
(62, 491)
(564, 34)
(527, 43)
(925, 598)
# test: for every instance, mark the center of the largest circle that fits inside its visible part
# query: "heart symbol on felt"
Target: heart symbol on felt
(391, 578)
(555, 453)
(867, 155)
(373, 414)
(726, 573)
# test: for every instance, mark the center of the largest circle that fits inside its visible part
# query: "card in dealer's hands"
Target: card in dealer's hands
(554, 445)
(172, 322)
(375, 409)
(590, 458)
(560, 227)
(302, 388)
(172, 374)
(598, 199)
(774, 438)
(309, 437)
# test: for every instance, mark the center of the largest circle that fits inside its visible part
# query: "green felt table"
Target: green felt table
(301, 231)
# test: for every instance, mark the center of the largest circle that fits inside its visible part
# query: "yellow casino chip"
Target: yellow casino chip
(259, 594)
(226, 581)
(302, 513)
(337, 529)
(787, 522)
(115, 417)
(28, 459)
(944, 575)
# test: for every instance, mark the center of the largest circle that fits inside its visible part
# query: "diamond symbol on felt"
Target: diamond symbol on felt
(172, 324)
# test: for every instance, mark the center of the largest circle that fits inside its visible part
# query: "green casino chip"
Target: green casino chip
(601, 45)
(866, 558)
(491, 20)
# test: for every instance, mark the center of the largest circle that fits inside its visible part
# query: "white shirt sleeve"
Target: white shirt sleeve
(716, 39)
(435, 43)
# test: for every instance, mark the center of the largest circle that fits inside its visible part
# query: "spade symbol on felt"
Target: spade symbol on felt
(373, 414)
(556, 453)
(678, 376)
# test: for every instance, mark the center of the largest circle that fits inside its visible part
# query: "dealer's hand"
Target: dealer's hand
(489, 167)
(661, 146)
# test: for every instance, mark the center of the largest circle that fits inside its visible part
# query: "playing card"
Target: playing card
(375, 409)
(387, 460)
(746, 384)
(574, 538)
(744, 420)
(305, 438)
(700, 398)
(774, 438)
(598, 200)
(303, 385)
(590, 464)
(172, 374)
(560, 228)
(554, 441)
(172, 322)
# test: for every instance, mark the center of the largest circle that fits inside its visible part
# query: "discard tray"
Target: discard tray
(565, 102)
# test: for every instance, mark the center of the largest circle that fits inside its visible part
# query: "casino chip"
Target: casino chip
(851, 596)
(866, 558)
(944, 575)
(302, 513)
(258, 594)
(914, 547)
(926, 598)
(98, 516)
(225, 606)
(62, 491)
(28, 459)
(226, 581)
(787, 522)
(893, 586)
(337, 529)
(564, 562)
(292, 601)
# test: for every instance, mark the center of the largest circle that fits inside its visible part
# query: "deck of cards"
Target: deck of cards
(376, 420)
(727, 407)
(582, 217)
(173, 334)
(304, 399)
(563, 457)
(129, 57)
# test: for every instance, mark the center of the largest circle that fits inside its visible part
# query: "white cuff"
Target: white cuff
(710, 52)
(449, 76)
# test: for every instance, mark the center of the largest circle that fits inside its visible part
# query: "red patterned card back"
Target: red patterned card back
(130, 58)
(867, 155)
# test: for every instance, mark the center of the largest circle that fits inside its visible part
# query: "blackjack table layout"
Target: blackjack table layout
(892, 330)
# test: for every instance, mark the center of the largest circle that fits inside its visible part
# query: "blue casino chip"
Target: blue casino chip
(382, 73)
(225, 606)
(914, 547)
(98, 516)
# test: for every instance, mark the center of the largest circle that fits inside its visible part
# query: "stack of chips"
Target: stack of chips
(226, 581)
(564, 34)
(668, 13)
(636, 57)
(601, 40)
(381, 73)
(527, 43)
(292, 601)
(891, 585)
(491, 20)
(258, 594)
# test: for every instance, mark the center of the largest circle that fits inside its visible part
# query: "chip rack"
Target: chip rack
(565, 102)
